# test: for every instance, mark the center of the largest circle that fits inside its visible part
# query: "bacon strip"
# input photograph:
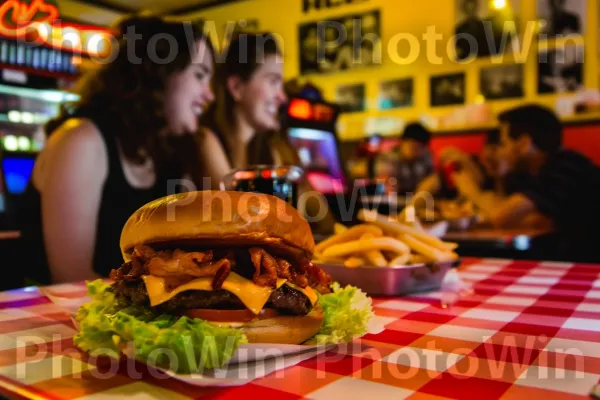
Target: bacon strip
(179, 267)
(299, 277)
(166, 263)
(224, 268)
(319, 279)
(270, 266)
(256, 258)
(300, 280)
(283, 268)
(263, 261)
(130, 271)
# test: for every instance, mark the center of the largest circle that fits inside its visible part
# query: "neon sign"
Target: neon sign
(16, 15)
(37, 23)
(78, 39)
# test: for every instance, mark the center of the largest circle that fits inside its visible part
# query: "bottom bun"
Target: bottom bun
(284, 329)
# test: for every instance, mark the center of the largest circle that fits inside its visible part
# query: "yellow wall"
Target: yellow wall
(413, 16)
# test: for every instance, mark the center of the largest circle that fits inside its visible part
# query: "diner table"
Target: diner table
(483, 241)
(492, 238)
(527, 329)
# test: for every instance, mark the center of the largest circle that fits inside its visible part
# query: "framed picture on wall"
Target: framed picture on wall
(502, 82)
(562, 17)
(485, 28)
(447, 90)
(351, 98)
(560, 69)
(396, 94)
(339, 44)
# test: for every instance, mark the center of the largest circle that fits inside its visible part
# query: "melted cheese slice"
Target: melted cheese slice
(307, 291)
(253, 296)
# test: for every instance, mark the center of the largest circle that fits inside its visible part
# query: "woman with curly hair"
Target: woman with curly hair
(120, 146)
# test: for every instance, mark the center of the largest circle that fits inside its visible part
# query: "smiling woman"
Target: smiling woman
(116, 148)
(249, 94)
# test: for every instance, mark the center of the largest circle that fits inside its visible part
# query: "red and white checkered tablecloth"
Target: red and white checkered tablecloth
(531, 330)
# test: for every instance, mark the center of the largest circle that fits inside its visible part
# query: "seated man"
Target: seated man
(414, 162)
(549, 186)
(493, 164)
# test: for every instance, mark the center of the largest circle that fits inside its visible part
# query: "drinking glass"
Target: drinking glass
(281, 182)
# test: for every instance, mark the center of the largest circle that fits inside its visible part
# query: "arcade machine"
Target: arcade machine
(311, 127)
(372, 168)
(311, 130)
(16, 170)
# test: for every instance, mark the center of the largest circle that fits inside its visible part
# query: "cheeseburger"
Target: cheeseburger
(234, 259)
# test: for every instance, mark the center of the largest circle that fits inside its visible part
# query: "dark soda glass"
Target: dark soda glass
(281, 182)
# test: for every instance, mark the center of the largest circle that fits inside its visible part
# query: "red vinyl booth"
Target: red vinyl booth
(581, 137)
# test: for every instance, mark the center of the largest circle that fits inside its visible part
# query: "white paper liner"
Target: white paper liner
(237, 373)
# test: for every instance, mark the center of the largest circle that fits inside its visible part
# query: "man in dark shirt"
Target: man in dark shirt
(556, 187)
(414, 161)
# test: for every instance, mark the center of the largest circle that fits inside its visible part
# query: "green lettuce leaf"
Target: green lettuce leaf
(347, 313)
(108, 326)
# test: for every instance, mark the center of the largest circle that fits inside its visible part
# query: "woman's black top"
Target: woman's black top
(119, 200)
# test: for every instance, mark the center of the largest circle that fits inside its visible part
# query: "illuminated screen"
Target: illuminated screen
(318, 152)
(17, 172)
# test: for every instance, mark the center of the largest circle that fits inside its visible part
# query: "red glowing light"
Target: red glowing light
(323, 112)
(300, 109)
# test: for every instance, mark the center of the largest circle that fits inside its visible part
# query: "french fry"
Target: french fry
(383, 241)
(354, 262)
(417, 246)
(375, 257)
(402, 259)
(351, 234)
(417, 259)
(450, 246)
(409, 217)
(339, 228)
(378, 243)
(425, 249)
(401, 229)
